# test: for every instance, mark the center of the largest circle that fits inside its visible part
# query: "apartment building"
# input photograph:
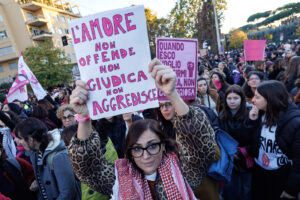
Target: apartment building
(25, 23)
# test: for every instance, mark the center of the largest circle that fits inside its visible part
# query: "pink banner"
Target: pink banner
(254, 49)
(181, 55)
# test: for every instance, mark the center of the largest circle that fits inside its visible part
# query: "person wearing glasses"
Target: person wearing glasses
(66, 115)
(151, 169)
(254, 78)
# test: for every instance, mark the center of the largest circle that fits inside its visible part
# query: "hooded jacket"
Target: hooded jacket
(59, 183)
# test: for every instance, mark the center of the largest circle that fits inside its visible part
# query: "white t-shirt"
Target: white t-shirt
(270, 156)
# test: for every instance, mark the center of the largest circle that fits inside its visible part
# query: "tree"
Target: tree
(50, 65)
(236, 39)
(183, 17)
(157, 27)
(205, 25)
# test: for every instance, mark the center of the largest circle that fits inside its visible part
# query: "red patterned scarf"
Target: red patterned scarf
(131, 185)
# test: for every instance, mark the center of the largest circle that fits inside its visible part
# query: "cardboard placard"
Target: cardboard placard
(113, 54)
(181, 55)
(254, 49)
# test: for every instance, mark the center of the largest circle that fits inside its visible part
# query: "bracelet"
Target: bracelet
(82, 119)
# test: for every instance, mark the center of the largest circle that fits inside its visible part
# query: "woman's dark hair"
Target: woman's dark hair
(257, 73)
(15, 108)
(139, 127)
(293, 70)
(68, 133)
(242, 113)
(45, 104)
(221, 78)
(277, 97)
(34, 128)
(247, 69)
(40, 112)
(3, 155)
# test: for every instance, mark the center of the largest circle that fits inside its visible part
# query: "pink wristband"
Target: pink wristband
(82, 119)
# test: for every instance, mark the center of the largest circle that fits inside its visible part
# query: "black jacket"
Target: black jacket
(241, 131)
(288, 138)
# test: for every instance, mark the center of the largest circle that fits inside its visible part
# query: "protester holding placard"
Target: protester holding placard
(140, 166)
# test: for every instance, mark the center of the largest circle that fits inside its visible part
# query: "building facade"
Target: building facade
(25, 23)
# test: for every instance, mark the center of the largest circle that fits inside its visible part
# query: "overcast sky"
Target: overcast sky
(235, 16)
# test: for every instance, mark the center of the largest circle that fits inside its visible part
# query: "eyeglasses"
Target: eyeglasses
(254, 79)
(69, 117)
(166, 105)
(152, 150)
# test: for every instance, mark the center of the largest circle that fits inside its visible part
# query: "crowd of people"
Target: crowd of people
(51, 149)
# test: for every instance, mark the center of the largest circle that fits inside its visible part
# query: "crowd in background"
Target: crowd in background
(256, 102)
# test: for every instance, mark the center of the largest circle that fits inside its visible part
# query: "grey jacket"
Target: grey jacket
(60, 182)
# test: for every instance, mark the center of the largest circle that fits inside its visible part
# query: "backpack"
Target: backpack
(222, 169)
(50, 166)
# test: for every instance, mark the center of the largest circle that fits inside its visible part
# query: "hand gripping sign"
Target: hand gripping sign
(113, 54)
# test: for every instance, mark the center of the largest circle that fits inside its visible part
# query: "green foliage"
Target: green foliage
(289, 32)
(157, 27)
(183, 17)
(289, 6)
(258, 16)
(272, 16)
(50, 65)
(278, 16)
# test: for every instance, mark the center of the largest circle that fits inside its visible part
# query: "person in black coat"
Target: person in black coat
(275, 143)
(234, 120)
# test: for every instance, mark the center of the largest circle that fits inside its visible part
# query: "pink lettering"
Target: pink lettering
(107, 26)
(129, 27)
(117, 20)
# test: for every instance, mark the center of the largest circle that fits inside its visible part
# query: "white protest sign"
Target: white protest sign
(113, 54)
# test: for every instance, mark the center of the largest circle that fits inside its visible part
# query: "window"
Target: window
(3, 35)
(67, 31)
(63, 18)
(60, 31)
(53, 30)
(1, 19)
(1, 69)
(74, 56)
(13, 66)
(30, 16)
(56, 18)
(6, 50)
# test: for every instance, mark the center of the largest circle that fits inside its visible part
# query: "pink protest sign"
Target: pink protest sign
(254, 49)
(113, 54)
(181, 55)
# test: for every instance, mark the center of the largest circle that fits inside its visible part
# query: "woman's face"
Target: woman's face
(127, 116)
(146, 162)
(221, 66)
(167, 110)
(28, 145)
(254, 81)
(259, 101)
(233, 101)
(68, 118)
(202, 87)
(215, 77)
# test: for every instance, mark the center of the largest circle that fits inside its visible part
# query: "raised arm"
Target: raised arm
(193, 130)
(86, 156)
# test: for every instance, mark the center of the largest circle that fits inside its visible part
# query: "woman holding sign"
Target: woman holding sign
(151, 169)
